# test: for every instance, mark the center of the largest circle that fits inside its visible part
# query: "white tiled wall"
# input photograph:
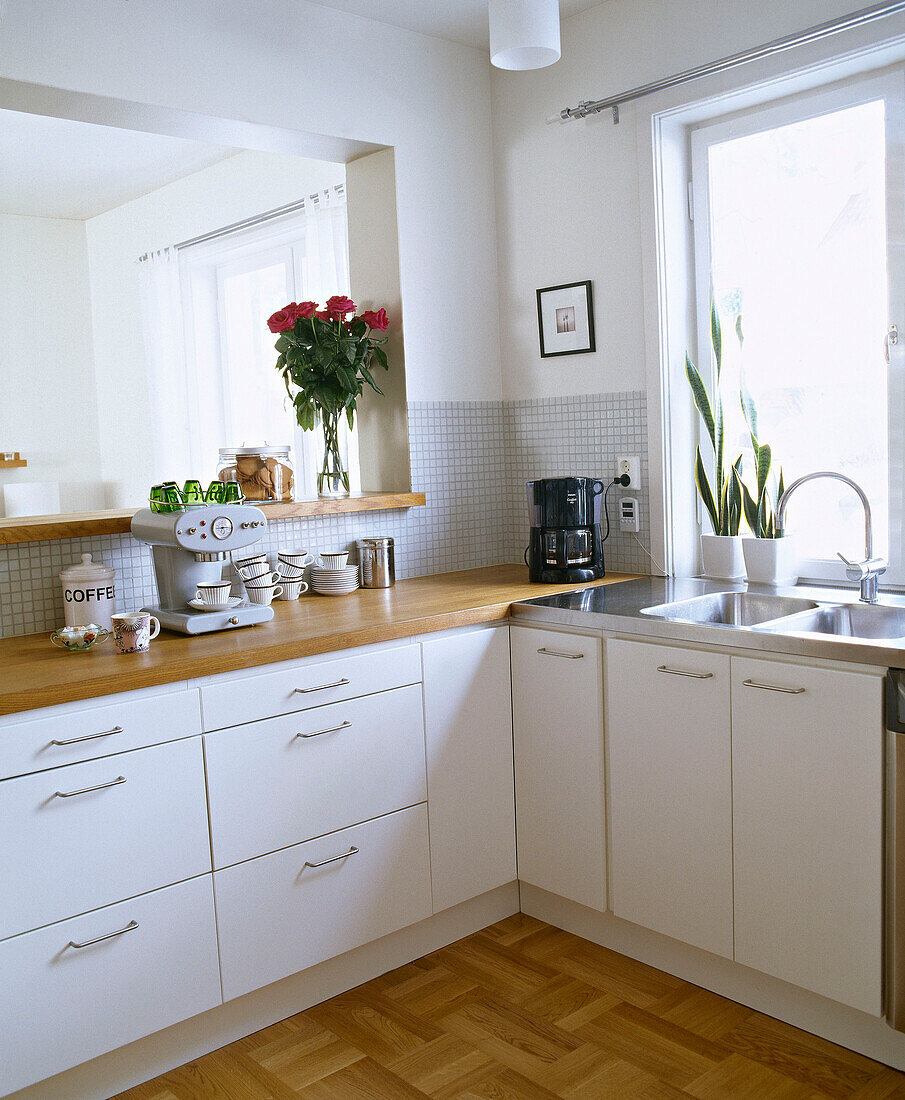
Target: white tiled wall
(470, 458)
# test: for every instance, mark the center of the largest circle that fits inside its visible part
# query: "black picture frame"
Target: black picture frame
(575, 314)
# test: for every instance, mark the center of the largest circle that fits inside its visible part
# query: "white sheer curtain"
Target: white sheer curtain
(164, 341)
(188, 339)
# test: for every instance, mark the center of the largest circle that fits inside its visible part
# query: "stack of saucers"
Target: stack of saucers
(331, 576)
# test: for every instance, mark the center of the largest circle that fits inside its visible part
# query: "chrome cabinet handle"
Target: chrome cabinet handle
(130, 927)
(772, 687)
(353, 851)
(320, 733)
(89, 737)
(558, 653)
(321, 687)
(684, 672)
(85, 790)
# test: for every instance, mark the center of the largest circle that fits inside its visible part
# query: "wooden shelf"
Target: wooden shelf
(16, 463)
(118, 522)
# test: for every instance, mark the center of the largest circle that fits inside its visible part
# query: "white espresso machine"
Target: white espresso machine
(190, 547)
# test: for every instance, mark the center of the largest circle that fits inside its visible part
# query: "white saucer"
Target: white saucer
(198, 605)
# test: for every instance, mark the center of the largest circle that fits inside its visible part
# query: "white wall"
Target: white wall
(293, 64)
(239, 187)
(568, 196)
(46, 364)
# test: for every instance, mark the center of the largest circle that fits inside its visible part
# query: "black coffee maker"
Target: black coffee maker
(565, 544)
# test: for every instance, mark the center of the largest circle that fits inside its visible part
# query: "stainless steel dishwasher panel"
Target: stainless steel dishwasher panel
(895, 849)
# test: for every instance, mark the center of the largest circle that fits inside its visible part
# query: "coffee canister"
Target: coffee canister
(89, 593)
(378, 564)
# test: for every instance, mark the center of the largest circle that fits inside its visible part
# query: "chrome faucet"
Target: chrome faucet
(866, 572)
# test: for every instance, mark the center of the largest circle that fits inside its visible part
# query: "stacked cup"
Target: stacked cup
(259, 579)
(333, 576)
(292, 569)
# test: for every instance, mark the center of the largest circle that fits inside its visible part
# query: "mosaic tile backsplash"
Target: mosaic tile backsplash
(471, 458)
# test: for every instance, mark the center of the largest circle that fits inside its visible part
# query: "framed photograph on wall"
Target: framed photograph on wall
(565, 319)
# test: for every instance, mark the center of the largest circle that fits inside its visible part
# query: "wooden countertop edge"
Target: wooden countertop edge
(119, 521)
(153, 669)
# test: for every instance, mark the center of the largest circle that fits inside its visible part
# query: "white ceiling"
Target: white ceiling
(56, 168)
(460, 20)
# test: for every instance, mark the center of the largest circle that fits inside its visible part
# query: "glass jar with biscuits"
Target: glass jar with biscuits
(264, 474)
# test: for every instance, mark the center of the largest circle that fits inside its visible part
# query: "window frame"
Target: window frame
(890, 87)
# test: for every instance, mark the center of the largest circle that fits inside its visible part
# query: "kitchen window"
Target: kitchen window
(798, 211)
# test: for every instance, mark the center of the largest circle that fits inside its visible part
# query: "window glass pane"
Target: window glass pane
(257, 402)
(798, 238)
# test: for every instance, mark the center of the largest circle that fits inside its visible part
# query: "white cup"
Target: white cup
(264, 580)
(292, 590)
(291, 572)
(265, 595)
(295, 556)
(255, 569)
(132, 633)
(244, 563)
(214, 594)
(339, 560)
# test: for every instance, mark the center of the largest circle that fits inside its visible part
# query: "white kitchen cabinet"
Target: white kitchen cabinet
(283, 912)
(285, 780)
(670, 791)
(231, 699)
(468, 726)
(153, 964)
(808, 827)
(86, 835)
(557, 712)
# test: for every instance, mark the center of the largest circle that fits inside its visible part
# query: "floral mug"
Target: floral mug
(132, 632)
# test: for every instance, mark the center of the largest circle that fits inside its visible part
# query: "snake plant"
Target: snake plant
(723, 498)
(760, 512)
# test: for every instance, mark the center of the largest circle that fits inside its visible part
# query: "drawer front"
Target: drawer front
(277, 915)
(88, 732)
(308, 684)
(63, 1005)
(65, 855)
(285, 780)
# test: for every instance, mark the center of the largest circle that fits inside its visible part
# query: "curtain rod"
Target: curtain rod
(258, 219)
(778, 45)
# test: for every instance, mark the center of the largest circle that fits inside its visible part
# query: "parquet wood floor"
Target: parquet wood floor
(525, 1011)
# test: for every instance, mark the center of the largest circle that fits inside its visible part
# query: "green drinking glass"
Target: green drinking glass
(192, 492)
(216, 493)
(233, 493)
(156, 498)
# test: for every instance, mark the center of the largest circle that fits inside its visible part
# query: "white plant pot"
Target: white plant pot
(723, 558)
(771, 561)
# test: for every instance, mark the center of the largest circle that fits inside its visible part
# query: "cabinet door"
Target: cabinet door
(807, 760)
(284, 780)
(670, 791)
(557, 710)
(75, 990)
(468, 723)
(86, 835)
(284, 912)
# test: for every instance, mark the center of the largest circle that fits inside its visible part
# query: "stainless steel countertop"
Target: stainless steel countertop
(616, 608)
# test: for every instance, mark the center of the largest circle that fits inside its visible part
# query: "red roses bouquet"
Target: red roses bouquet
(326, 361)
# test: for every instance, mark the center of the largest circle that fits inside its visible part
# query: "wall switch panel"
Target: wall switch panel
(628, 514)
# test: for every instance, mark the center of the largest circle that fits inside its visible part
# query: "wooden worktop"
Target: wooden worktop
(33, 673)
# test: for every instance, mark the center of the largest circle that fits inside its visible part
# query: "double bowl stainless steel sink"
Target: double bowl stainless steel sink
(786, 615)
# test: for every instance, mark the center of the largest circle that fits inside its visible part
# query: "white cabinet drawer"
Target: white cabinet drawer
(308, 683)
(65, 855)
(67, 734)
(277, 914)
(62, 1005)
(285, 780)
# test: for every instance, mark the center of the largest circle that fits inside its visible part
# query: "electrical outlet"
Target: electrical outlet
(631, 465)
(628, 514)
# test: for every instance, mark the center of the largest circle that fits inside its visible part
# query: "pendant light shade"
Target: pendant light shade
(524, 34)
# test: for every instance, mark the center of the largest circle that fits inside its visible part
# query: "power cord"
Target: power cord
(624, 480)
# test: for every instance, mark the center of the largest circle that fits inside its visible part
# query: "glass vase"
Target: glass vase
(333, 471)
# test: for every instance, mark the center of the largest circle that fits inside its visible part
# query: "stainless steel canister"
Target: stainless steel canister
(378, 563)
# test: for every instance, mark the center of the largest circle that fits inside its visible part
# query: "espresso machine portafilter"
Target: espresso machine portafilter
(189, 547)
